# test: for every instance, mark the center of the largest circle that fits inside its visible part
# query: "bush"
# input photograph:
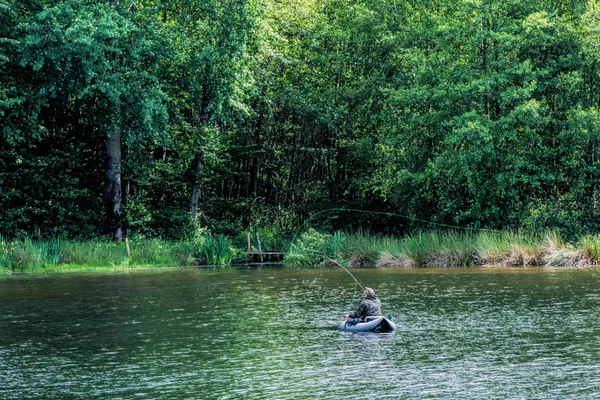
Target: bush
(308, 251)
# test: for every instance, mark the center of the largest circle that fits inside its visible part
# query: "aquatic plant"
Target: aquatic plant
(185, 252)
(556, 253)
(93, 253)
(151, 252)
(27, 255)
(217, 250)
(31, 255)
(590, 247)
(452, 249)
(7, 248)
(361, 248)
(389, 260)
(428, 249)
(333, 245)
(508, 249)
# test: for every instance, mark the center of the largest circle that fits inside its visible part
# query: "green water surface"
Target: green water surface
(272, 334)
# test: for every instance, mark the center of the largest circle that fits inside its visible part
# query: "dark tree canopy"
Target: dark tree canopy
(143, 116)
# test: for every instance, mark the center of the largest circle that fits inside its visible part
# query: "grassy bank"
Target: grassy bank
(312, 248)
(447, 249)
(29, 255)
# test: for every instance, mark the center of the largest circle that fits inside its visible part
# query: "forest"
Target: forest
(145, 119)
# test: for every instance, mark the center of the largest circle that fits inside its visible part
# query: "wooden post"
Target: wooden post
(127, 245)
(249, 247)
(259, 247)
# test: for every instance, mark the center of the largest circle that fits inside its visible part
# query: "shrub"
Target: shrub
(309, 250)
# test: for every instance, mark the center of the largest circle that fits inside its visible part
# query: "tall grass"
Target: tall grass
(509, 249)
(418, 250)
(590, 247)
(38, 255)
(361, 248)
(93, 253)
(428, 249)
(467, 249)
(217, 250)
(6, 250)
(152, 252)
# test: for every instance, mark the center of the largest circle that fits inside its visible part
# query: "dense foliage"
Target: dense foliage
(147, 116)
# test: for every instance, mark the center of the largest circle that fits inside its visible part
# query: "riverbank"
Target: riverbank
(311, 249)
(31, 255)
(448, 249)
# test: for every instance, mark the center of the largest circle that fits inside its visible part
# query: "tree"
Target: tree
(90, 65)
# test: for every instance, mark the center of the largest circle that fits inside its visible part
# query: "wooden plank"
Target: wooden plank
(282, 253)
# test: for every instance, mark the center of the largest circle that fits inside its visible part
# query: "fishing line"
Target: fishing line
(389, 214)
(337, 263)
(356, 282)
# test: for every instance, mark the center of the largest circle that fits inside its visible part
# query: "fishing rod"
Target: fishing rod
(386, 213)
(356, 282)
(389, 214)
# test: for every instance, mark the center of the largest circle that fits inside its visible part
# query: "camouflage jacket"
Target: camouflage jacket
(369, 306)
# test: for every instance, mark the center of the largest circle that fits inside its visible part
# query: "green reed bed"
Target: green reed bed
(362, 248)
(29, 255)
(217, 250)
(312, 248)
(426, 249)
(510, 249)
(454, 249)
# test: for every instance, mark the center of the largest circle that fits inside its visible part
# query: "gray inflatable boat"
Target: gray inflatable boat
(377, 324)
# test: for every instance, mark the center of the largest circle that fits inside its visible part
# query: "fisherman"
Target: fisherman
(368, 307)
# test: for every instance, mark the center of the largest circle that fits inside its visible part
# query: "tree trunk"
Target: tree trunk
(112, 187)
(196, 185)
(162, 191)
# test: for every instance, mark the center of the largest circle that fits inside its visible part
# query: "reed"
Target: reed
(418, 250)
(217, 250)
(185, 253)
(7, 248)
(360, 248)
(54, 254)
(429, 249)
(333, 245)
(508, 249)
(556, 253)
(152, 253)
(28, 255)
(590, 247)
(93, 253)
(467, 249)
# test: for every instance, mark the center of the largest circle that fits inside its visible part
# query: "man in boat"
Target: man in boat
(369, 306)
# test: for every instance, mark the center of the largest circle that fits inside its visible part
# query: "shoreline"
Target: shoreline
(421, 250)
(110, 270)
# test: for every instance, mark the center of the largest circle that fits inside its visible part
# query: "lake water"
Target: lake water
(272, 334)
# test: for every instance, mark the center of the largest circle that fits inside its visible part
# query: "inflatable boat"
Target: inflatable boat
(378, 324)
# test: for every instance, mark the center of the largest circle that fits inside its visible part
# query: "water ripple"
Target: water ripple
(272, 334)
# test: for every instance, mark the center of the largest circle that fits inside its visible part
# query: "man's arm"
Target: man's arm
(359, 311)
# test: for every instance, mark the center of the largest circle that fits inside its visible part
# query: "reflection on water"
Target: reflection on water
(187, 333)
